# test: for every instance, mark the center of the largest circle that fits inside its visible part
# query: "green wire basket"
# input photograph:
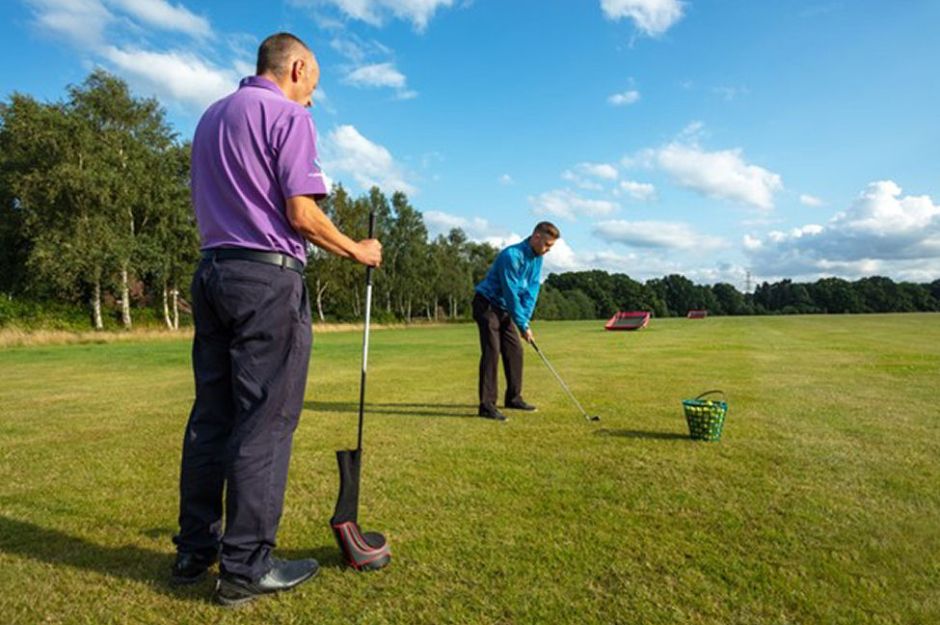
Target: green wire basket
(705, 417)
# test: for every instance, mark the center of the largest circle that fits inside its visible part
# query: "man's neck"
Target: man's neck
(280, 84)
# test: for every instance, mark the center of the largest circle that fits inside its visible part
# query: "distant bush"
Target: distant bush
(36, 315)
(30, 314)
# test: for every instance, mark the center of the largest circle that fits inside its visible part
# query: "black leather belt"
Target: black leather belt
(270, 258)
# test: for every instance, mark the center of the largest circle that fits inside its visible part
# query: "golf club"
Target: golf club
(587, 417)
(364, 551)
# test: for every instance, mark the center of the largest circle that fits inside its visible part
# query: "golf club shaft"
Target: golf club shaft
(560, 381)
(365, 337)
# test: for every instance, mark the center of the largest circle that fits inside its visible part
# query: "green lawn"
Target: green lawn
(820, 505)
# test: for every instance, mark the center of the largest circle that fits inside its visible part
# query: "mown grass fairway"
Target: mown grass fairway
(820, 505)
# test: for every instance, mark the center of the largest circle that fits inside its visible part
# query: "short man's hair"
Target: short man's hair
(547, 229)
(275, 53)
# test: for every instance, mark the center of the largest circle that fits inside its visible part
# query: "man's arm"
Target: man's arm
(531, 299)
(312, 223)
(508, 272)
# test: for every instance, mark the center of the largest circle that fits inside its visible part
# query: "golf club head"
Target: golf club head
(594, 417)
(363, 551)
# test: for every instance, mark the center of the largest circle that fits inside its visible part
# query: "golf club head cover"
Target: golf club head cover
(364, 551)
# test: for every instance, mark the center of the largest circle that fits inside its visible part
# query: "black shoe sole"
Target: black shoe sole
(241, 596)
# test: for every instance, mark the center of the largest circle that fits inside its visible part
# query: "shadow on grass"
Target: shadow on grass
(151, 568)
(407, 410)
(667, 436)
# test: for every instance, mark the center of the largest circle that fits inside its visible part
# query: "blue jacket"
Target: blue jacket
(513, 282)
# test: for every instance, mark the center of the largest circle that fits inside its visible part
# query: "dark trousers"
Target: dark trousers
(499, 336)
(250, 356)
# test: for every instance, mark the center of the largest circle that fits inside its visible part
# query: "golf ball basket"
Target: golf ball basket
(705, 417)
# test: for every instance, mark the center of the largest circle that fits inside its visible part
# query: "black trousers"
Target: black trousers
(250, 357)
(499, 336)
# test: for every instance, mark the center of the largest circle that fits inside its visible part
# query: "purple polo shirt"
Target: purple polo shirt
(252, 150)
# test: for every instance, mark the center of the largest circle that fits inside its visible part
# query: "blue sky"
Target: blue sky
(791, 139)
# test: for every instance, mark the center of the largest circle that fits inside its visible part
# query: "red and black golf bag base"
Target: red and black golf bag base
(364, 551)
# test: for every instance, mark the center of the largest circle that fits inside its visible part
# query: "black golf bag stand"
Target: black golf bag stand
(364, 551)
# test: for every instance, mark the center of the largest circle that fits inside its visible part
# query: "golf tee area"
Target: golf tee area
(819, 505)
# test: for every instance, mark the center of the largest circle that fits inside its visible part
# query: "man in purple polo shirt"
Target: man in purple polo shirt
(255, 182)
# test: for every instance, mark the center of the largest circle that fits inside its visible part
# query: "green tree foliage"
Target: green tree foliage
(729, 301)
(596, 284)
(417, 277)
(406, 255)
(167, 248)
(85, 178)
(127, 142)
(835, 295)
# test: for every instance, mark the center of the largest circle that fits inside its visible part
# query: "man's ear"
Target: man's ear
(297, 70)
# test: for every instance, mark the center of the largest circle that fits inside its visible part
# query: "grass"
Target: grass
(820, 504)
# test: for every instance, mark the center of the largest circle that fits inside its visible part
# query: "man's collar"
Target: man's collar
(261, 83)
(527, 248)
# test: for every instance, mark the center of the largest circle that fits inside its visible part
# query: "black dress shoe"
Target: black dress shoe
(520, 404)
(190, 568)
(488, 412)
(232, 590)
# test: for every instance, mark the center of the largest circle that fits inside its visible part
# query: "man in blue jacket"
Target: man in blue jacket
(502, 308)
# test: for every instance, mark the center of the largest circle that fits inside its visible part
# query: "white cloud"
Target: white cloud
(179, 76)
(625, 98)
(640, 265)
(604, 171)
(566, 204)
(642, 191)
(656, 234)
(810, 200)
(506, 180)
(81, 21)
(563, 257)
(581, 183)
(84, 21)
(882, 232)
(880, 210)
(751, 243)
(377, 75)
(375, 12)
(164, 15)
(583, 175)
(477, 228)
(357, 49)
(369, 164)
(653, 17)
(721, 174)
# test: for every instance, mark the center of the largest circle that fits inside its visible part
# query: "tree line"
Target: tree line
(95, 216)
(598, 295)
